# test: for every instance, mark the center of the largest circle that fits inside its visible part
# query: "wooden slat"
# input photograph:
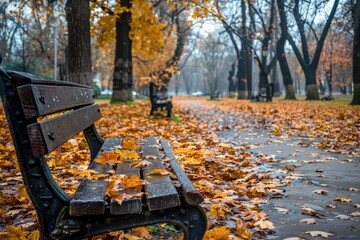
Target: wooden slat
(47, 135)
(27, 78)
(160, 191)
(40, 100)
(190, 193)
(133, 205)
(89, 199)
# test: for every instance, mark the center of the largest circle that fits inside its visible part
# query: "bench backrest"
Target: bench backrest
(43, 114)
(69, 109)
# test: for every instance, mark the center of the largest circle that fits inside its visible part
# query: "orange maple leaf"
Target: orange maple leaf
(218, 233)
(129, 144)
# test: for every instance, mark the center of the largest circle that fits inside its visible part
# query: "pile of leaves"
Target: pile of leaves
(226, 175)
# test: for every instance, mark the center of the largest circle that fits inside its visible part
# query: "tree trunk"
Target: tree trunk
(241, 76)
(241, 80)
(249, 69)
(123, 76)
(78, 20)
(312, 92)
(280, 49)
(232, 87)
(356, 54)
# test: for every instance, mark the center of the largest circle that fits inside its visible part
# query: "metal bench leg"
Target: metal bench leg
(195, 227)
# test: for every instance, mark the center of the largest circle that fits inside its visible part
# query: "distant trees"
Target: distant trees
(212, 56)
(129, 35)
(305, 29)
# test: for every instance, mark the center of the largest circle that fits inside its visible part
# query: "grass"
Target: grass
(340, 101)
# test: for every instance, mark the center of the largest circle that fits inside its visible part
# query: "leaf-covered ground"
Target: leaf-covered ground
(227, 174)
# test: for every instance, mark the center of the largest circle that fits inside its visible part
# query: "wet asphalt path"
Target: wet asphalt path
(303, 169)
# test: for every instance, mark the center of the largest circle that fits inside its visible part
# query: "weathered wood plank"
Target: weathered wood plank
(160, 191)
(47, 135)
(190, 193)
(40, 100)
(133, 205)
(28, 78)
(89, 199)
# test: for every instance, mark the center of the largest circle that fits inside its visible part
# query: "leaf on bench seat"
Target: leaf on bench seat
(141, 164)
(131, 184)
(158, 172)
(122, 197)
(130, 144)
(117, 156)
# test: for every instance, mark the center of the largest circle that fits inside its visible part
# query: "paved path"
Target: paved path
(303, 169)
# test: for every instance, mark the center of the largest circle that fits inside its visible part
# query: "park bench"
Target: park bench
(42, 115)
(159, 99)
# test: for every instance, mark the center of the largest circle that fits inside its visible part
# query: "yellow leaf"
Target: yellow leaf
(130, 144)
(159, 172)
(241, 230)
(343, 199)
(133, 182)
(218, 233)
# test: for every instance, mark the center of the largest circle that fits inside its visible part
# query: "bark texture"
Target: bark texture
(123, 74)
(78, 19)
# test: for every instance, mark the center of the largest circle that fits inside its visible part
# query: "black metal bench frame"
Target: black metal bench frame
(157, 103)
(25, 98)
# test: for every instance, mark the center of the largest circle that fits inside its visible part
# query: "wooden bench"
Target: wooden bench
(158, 101)
(42, 115)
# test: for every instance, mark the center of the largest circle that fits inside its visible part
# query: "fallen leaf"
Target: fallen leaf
(355, 214)
(121, 197)
(331, 206)
(282, 210)
(159, 172)
(343, 217)
(218, 233)
(141, 164)
(309, 211)
(321, 192)
(242, 230)
(265, 225)
(129, 144)
(309, 220)
(319, 233)
(142, 232)
(343, 199)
